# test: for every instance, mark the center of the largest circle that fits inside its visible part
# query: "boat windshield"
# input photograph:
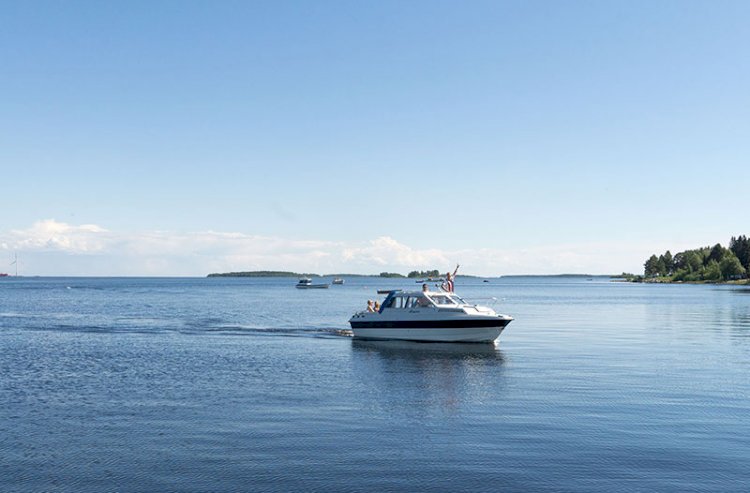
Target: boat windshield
(444, 299)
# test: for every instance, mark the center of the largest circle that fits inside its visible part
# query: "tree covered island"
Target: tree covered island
(706, 264)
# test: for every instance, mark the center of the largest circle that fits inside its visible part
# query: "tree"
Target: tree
(731, 267)
(703, 253)
(680, 275)
(693, 261)
(716, 254)
(651, 267)
(669, 262)
(740, 246)
(678, 263)
(712, 272)
(424, 273)
(390, 274)
(661, 266)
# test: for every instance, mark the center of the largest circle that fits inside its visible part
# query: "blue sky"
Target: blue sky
(147, 137)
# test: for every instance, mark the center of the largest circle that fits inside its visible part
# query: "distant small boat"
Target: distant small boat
(338, 280)
(3, 274)
(306, 283)
(486, 280)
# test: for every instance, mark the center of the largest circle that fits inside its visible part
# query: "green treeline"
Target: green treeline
(712, 264)
(413, 274)
(423, 273)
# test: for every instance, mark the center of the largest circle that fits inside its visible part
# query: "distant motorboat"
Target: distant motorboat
(486, 280)
(306, 283)
(338, 280)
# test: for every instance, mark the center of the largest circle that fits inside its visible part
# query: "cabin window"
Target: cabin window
(412, 301)
(404, 302)
(407, 302)
(442, 300)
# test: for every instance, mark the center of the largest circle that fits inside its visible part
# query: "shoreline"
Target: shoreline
(658, 280)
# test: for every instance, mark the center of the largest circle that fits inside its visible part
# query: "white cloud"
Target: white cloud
(386, 251)
(52, 235)
(50, 247)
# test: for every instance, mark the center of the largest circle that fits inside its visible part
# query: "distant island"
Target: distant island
(715, 264)
(415, 274)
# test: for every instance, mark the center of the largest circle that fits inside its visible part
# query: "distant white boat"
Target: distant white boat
(306, 283)
(338, 280)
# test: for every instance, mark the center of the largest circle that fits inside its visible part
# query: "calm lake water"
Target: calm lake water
(199, 385)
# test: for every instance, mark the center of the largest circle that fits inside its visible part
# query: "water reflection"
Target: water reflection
(430, 350)
(426, 378)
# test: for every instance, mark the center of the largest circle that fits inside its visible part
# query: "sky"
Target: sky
(179, 138)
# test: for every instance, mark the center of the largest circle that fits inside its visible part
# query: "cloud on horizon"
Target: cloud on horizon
(50, 247)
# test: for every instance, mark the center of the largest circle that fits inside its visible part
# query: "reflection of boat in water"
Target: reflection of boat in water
(338, 280)
(444, 350)
(306, 283)
(429, 316)
(420, 379)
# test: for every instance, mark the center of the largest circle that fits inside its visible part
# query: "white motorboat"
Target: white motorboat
(429, 316)
(306, 283)
(338, 280)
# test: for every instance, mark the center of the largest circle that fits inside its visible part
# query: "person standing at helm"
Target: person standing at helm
(450, 279)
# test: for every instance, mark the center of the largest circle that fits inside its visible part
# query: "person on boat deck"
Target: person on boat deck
(449, 283)
(377, 306)
(370, 307)
(424, 288)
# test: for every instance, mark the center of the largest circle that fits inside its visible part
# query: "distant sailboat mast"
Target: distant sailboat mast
(15, 262)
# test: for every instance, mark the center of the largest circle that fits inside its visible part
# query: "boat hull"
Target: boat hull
(487, 330)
